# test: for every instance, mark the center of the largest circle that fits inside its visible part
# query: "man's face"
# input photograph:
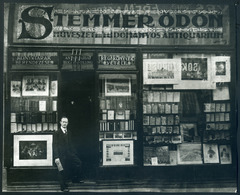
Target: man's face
(64, 122)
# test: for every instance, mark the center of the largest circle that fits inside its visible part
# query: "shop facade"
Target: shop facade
(149, 90)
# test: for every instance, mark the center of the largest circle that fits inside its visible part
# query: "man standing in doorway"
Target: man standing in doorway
(66, 159)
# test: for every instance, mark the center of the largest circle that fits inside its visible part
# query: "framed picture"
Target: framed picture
(118, 152)
(35, 86)
(225, 154)
(117, 87)
(16, 88)
(161, 71)
(222, 68)
(196, 72)
(32, 150)
(54, 89)
(188, 131)
(189, 153)
(210, 153)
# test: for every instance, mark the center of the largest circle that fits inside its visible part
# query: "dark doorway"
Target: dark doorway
(77, 102)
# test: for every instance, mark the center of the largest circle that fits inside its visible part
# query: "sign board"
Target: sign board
(125, 24)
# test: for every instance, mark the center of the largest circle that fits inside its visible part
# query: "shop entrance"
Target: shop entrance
(77, 102)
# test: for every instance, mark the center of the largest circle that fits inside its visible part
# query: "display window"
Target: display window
(186, 109)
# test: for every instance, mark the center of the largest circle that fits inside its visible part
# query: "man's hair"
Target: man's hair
(63, 117)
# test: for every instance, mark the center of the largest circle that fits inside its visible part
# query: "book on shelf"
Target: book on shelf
(34, 127)
(158, 120)
(222, 117)
(152, 120)
(149, 108)
(13, 118)
(39, 127)
(168, 109)
(29, 127)
(169, 96)
(13, 127)
(154, 108)
(174, 108)
(156, 96)
(176, 97)
(161, 108)
(24, 127)
(218, 107)
(108, 104)
(54, 105)
(164, 120)
(19, 127)
(176, 120)
(163, 97)
(145, 120)
(227, 117)
(170, 120)
(42, 106)
(223, 107)
(45, 126)
(127, 114)
(150, 96)
(55, 126)
(110, 114)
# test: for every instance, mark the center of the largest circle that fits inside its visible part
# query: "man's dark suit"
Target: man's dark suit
(64, 150)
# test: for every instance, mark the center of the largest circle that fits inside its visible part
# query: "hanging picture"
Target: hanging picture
(15, 88)
(196, 72)
(35, 86)
(54, 89)
(189, 132)
(118, 87)
(210, 153)
(222, 68)
(161, 71)
(32, 150)
(189, 153)
(225, 154)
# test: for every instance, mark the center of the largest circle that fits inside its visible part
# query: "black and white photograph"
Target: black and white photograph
(120, 96)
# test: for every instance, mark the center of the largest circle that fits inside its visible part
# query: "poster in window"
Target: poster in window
(222, 68)
(161, 71)
(196, 72)
(32, 150)
(225, 154)
(118, 87)
(35, 86)
(210, 153)
(189, 153)
(15, 88)
(54, 89)
(118, 152)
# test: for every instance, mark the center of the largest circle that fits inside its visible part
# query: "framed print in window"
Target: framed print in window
(119, 152)
(117, 87)
(225, 154)
(196, 72)
(189, 153)
(32, 150)
(210, 153)
(35, 86)
(16, 88)
(222, 68)
(161, 71)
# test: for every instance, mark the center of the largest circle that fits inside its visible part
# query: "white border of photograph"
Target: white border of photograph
(34, 92)
(34, 162)
(222, 77)
(206, 157)
(118, 147)
(16, 90)
(189, 150)
(228, 159)
(197, 84)
(107, 93)
(149, 65)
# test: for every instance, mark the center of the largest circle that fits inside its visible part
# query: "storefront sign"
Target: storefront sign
(153, 24)
(77, 60)
(116, 61)
(118, 152)
(34, 60)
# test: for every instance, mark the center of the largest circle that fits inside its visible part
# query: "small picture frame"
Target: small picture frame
(161, 71)
(32, 150)
(54, 89)
(118, 87)
(189, 153)
(16, 88)
(35, 86)
(210, 153)
(222, 68)
(225, 154)
(118, 152)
